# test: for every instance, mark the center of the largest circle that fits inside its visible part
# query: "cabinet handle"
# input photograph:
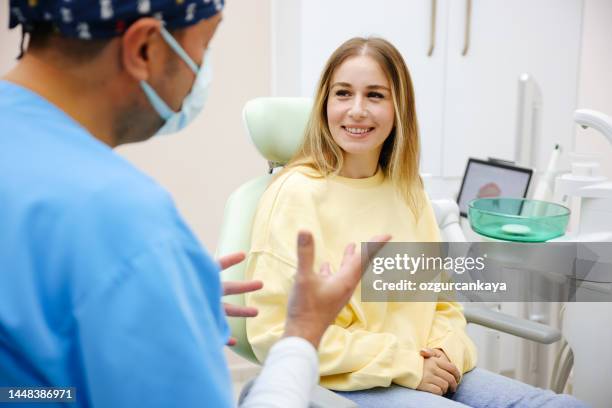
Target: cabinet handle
(432, 25)
(468, 26)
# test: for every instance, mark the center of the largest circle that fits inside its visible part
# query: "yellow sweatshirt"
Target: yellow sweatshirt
(370, 344)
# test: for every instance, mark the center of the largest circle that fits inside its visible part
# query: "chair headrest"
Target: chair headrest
(276, 125)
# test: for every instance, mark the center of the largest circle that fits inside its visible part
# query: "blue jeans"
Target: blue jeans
(478, 388)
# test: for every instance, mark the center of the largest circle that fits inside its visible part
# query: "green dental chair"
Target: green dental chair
(276, 126)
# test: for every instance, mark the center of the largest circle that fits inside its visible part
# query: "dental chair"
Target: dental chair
(276, 126)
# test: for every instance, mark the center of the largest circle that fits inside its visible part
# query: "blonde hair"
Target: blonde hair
(399, 157)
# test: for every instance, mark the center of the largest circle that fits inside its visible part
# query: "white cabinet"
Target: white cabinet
(508, 38)
(466, 104)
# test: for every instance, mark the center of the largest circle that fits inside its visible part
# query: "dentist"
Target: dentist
(103, 287)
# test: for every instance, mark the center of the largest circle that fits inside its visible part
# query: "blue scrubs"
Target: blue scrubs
(102, 285)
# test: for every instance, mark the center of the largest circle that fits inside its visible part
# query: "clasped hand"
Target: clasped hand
(439, 374)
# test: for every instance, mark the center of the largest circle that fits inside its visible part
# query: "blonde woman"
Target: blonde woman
(355, 176)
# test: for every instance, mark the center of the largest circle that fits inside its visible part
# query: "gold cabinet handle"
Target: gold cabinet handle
(468, 26)
(432, 25)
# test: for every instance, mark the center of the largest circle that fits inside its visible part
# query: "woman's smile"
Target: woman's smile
(357, 132)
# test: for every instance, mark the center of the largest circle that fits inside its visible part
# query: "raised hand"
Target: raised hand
(317, 298)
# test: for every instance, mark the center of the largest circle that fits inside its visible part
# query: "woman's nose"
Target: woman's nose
(358, 109)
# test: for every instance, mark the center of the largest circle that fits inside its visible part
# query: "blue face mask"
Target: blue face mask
(193, 102)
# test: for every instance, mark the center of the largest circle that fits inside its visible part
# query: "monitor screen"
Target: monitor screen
(492, 179)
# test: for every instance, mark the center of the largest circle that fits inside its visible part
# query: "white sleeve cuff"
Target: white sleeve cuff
(288, 376)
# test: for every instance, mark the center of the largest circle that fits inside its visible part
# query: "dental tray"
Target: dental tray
(518, 219)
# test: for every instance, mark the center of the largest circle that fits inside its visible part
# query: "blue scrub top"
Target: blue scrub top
(102, 285)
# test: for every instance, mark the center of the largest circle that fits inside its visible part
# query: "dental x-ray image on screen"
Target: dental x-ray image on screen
(492, 179)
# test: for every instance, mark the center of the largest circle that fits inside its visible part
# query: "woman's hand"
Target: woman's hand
(439, 374)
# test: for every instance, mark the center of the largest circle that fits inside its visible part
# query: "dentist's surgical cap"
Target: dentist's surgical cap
(87, 19)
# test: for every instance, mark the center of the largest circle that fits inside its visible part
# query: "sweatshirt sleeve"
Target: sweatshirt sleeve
(448, 333)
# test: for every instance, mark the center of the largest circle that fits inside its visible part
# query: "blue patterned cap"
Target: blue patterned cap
(88, 19)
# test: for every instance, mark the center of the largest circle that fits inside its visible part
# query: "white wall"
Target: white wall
(595, 82)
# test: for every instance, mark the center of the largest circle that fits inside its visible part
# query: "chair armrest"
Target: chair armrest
(512, 325)
(320, 397)
(448, 219)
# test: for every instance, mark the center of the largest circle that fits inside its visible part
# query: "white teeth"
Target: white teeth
(357, 131)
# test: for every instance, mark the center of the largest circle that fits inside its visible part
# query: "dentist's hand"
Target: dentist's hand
(233, 288)
(317, 298)
(439, 374)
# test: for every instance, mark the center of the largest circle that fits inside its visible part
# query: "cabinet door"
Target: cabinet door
(324, 25)
(508, 38)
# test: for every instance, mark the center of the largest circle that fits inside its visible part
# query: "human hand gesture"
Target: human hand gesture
(317, 298)
(233, 288)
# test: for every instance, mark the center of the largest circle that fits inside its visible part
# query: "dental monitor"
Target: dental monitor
(492, 178)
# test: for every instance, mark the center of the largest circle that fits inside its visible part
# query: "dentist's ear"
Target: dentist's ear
(140, 44)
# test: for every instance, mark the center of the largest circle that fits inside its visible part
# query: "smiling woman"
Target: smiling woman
(356, 176)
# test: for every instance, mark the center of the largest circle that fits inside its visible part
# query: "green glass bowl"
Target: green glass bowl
(518, 219)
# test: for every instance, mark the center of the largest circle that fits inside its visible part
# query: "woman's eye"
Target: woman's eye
(342, 92)
(376, 95)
